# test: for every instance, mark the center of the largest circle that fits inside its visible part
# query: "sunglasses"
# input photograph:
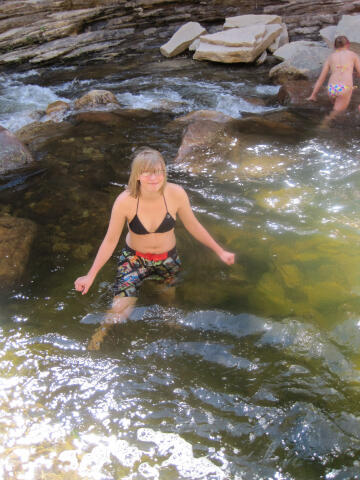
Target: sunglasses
(153, 172)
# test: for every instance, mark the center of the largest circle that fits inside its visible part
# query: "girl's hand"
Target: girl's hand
(227, 257)
(312, 98)
(82, 284)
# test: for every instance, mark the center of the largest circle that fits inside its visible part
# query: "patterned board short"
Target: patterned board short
(134, 268)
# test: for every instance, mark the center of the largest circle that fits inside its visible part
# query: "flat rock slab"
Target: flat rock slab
(182, 39)
(247, 20)
(237, 44)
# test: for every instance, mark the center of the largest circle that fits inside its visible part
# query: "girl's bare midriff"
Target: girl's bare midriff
(151, 243)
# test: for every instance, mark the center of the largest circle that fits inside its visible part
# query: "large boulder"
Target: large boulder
(246, 20)
(285, 71)
(307, 57)
(199, 136)
(237, 44)
(16, 237)
(96, 98)
(182, 38)
(328, 35)
(13, 154)
(349, 26)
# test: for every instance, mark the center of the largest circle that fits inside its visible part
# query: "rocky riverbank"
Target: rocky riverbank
(45, 32)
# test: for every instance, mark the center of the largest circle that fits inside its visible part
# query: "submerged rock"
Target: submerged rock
(285, 199)
(36, 134)
(197, 115)
(276, 124)
(261, 166)
(269, 295)
(295, 92)
(207, 145)
(16, 237)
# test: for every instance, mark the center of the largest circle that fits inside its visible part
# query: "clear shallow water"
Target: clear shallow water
(251, 372)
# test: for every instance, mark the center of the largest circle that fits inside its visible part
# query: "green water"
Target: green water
(252, 372)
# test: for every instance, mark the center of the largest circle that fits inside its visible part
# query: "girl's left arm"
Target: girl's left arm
(194, 227)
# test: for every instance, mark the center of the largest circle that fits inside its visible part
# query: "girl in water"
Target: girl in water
(149, 206)
(341, 64)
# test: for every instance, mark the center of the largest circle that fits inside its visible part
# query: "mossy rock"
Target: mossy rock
(82, 252)
(60, 246)
(325, 295)
(270, 298)
(209, 294)
(281, 254)
(291, 275)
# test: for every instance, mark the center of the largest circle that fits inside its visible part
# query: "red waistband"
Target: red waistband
(153, 256)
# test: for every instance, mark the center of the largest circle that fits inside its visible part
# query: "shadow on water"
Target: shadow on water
(252, 372)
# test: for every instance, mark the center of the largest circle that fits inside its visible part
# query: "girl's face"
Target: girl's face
(152, 180)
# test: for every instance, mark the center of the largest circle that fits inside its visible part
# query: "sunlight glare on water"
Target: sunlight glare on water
(253, 371)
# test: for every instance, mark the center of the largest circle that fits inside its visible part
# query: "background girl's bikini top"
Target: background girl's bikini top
(166, 225)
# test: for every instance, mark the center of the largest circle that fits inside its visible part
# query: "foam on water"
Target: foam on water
(181, 95)
(19, 102)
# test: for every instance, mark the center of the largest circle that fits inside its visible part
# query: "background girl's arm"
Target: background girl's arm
(320, 80)
(107, 247)
(357, 64)
(194, 227)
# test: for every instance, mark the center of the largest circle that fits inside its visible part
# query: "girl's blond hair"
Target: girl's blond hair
(145, 159)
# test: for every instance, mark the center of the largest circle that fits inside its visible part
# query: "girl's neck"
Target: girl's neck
(150, 195)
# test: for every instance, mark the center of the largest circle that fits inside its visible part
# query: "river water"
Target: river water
(251, 372)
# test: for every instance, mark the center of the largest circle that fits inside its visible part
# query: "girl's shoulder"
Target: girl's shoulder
(174, 190)
(124, 199)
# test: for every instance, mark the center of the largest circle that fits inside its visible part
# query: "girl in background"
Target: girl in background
(341, 64)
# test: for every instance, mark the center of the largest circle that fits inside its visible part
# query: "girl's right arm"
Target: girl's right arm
(107, 247)
(320, 81)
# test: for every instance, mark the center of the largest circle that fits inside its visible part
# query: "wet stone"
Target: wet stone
(13, 154)
(16, 237)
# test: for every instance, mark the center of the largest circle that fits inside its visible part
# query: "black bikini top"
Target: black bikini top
(166, 225)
